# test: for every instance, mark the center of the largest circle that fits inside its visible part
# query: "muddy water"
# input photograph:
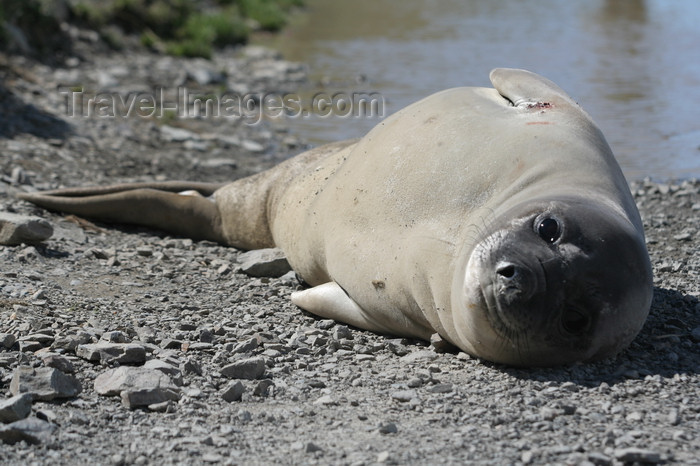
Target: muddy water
(634, 65)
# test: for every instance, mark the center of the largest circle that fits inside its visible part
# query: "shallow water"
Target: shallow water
(634, 65)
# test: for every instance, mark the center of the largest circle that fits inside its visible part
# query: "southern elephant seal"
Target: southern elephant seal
(497, 218)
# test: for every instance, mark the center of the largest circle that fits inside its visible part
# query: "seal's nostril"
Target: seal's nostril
(506, 270)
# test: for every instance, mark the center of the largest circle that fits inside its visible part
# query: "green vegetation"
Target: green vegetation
(201, 31)
(36, 24)
(186, 27)
(179, 27)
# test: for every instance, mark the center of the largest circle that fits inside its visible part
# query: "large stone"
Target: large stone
(105, 351)
(250, 369)
(148, 396)
(173, 372)
(15, 408)
(17, 229)
(233, 391)
(641, 455)
(32, 430)
(137, 386)
(44, 383)
(264, 263)
(7, 340)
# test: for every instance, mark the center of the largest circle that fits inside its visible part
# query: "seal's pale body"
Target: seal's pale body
(497, 218)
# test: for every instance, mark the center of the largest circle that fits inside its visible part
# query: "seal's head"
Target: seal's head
(562, 281)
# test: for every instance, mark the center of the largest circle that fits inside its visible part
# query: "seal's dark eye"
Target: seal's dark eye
(548, 229)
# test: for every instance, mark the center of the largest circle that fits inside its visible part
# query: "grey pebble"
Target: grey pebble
(251, 368)
(16, 229)
(629, 455)
(263, 388)
(114, 336)
(59, 362)
(30, 430)
(247, 346)
(387, 428)
(599, 459)
(269, 262)
(311, 447)
(7, 340)
(15, 408)
(104, 351)
(44, 383)
(404, 395)
(233, 391)
(137, 386)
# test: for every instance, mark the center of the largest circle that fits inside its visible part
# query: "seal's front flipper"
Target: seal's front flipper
(195, 217)
(332, 302)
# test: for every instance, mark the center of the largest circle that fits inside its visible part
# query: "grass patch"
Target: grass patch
(186, 27)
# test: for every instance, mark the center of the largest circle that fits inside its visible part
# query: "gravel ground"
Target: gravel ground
(244, 377)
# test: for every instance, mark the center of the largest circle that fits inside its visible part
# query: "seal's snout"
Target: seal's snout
(516, 282)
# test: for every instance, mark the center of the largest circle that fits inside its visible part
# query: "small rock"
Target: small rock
(387, 428)
(172, 134)
(192, 366)
(173, 372)
(205, 336)
(144, 251)
(441, 388)
(15, 408)
(599, 459)
(7, 340)
(44, 383)
(137, 386)
(148, 396)
(30, 430)
(113, 381)
(683, 237)
(233, 391)
(269, 262)
(311, 447)
(17, 229)
(404, 395)
(29, 346)
(415, 382)
(421, 355)
(169, 343)
(342, 332)
(630, 455)
(104, 351)
(114, 337)
(58, 362)
(252, 146)
(325, 400)
(203, 76)
(247, 346)
(250, 369)
(674, 417)
(397, 347)
(263, 388)
(440, 345)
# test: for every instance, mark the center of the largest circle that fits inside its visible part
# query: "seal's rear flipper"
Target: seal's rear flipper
(524, 88)
(332, 302)
(195, 217)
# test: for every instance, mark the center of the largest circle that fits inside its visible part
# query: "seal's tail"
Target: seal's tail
(154, 205)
